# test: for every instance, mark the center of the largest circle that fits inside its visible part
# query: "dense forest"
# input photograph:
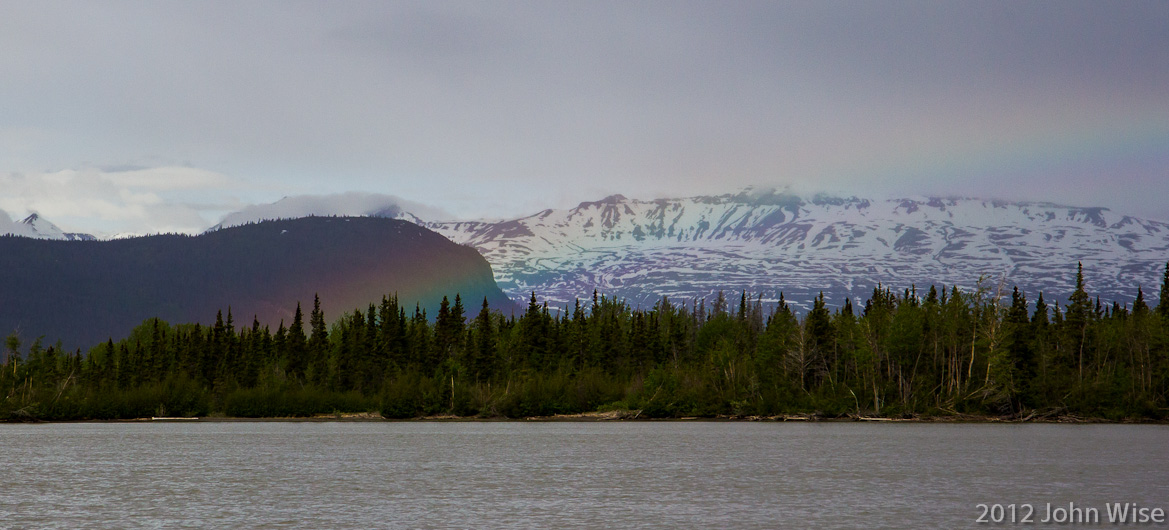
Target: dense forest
(907, 353)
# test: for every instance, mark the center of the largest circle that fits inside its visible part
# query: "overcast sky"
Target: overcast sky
(163, 116)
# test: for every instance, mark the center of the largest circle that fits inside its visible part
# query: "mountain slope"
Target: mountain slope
(767, 243)
(85, 291)
(35, 226)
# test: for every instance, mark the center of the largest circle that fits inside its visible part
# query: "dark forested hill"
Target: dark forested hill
(81, 292)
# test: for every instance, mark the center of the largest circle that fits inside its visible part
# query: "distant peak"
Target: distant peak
(768, 197)
(31, 219)
(612, 199)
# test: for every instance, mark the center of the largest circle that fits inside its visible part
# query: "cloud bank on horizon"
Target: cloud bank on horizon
(340, 204)
(115, 201)
(138, 117)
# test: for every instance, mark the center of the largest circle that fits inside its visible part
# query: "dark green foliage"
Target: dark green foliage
(411, 395)
(480, 357)
(1163, 305)
(948, 352)
(294, 402)
(318, 344)
(295, 346)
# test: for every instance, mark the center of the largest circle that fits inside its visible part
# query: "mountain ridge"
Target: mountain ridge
(83, 292)
(768, 242)
(36, 227)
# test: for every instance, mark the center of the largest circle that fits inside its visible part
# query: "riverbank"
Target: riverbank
(638, 416)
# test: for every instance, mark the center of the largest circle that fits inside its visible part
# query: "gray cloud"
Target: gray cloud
(7, 226)
(478, 107)
(340, 204)
(105, 203)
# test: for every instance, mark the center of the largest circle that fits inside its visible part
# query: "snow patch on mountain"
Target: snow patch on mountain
(36, 227)
(767, 242)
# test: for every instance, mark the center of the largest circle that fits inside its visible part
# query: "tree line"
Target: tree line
(944, 351)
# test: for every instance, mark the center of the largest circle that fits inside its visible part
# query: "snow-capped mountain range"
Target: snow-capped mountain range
(768, 242)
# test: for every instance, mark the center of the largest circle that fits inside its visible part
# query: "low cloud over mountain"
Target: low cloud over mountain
(342, 204)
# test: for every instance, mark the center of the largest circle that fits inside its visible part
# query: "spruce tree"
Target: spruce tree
(110, 368)
(343, 375)
(1139, 307)
(125, 367)
(1039, 318)
(533, 333)
(420, 340)
(1080, 313)
(213, 355)
(280, 342)
(249, 372)
(371, 362)
(483, 353)
(1163, 304)
(444, 331)
(819, 325)
(720, 305)
(449, 328)
(1080, 309)
(1019, 347)
(578, 345)
(458, 312)
(318, 345)
(295, 345)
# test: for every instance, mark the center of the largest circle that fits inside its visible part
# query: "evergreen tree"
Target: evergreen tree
(125, 367)
(392, 333)
(420, 341)
(346, 363)
(819, 329)
(1021, 358)
(482, 358)
(1139, 306)
(371, 360)
(449, 329)
(720, 305)
(1163, 304)
(318, 345)
(533, 330)
(1080, 313)
(280, 344)
(1039, 318)
(296, 345)
(213, 355)
(250, 369)
(820, 325)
